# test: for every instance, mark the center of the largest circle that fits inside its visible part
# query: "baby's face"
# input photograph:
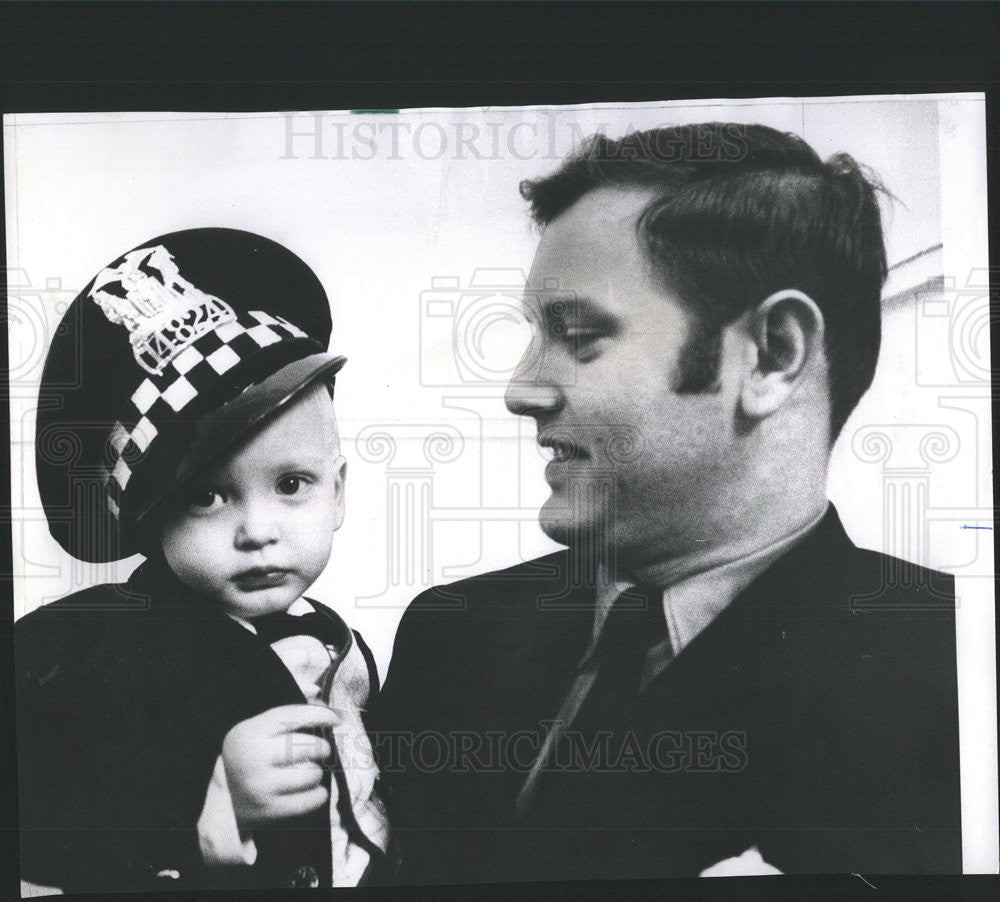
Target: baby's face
(254, 532)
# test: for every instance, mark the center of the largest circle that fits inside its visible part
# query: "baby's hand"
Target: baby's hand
(274, 766)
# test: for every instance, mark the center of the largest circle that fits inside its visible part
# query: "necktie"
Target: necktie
(358, 817)
(633, 626)
(610, 676)
(273, 627)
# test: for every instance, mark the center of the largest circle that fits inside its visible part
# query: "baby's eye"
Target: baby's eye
(204, 497)
(290, 485)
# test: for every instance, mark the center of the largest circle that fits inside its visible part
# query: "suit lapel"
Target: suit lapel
(205, 661)
(784, 629)
(718, 720)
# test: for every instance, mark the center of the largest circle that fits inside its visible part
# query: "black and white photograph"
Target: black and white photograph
(490, 495)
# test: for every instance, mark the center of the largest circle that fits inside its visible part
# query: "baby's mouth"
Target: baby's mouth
(257, 578)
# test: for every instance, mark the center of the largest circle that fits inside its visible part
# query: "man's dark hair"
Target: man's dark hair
(742, 211)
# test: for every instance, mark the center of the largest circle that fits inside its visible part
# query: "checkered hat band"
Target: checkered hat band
(200, 372)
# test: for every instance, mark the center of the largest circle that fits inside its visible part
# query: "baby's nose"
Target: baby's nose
(257, 527)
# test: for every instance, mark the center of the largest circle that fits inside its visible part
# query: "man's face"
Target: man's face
(634, 463)
(255, 531)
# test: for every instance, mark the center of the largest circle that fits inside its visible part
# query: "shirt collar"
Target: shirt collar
(297, 608)
(693, 599)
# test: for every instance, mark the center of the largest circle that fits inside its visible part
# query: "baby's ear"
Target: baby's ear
(340, 477)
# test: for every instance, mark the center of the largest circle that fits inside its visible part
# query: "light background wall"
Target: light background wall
(413, 222)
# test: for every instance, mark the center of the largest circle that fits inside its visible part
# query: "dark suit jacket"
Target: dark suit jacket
(124, 695)
(815, 718)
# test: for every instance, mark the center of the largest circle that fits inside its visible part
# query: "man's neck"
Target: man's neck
(767, 529)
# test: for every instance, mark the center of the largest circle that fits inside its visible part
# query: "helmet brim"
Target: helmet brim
(220, 432)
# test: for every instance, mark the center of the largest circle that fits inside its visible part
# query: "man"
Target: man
(711, 678)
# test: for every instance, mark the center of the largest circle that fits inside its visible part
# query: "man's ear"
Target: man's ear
(787, 332)
(340, 475)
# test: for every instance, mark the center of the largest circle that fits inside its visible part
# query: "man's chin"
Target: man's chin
(556, 528)
(566, 530)
(593, 536)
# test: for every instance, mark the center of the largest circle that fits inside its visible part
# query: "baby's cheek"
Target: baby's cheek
(317, 545)
(194, 556)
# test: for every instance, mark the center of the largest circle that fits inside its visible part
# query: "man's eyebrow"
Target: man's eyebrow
(558, 306)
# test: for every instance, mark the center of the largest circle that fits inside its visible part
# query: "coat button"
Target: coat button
(304, 877)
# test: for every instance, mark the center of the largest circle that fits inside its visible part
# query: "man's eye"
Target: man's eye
(582, 341)
(569, 330)
(290, 485)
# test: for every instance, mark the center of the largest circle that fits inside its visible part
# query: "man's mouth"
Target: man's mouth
(561, 450)
(257, 578)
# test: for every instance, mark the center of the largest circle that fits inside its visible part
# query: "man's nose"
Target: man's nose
(533, 389)
(258, 526)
